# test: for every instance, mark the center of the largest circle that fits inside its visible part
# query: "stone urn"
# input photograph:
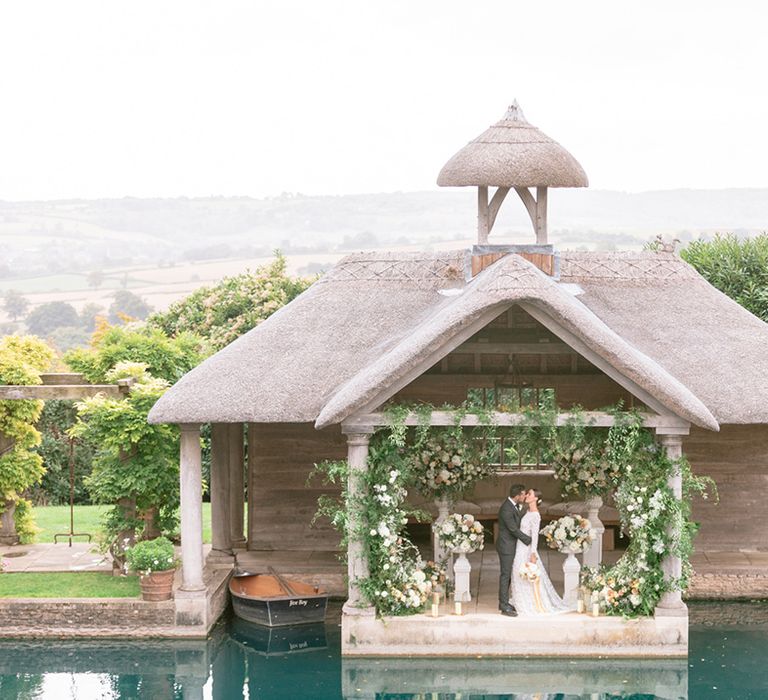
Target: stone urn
(157, 585)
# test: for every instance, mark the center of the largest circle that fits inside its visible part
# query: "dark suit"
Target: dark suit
(509, 534)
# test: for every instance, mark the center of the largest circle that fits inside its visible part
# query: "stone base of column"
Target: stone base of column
(358, 608)
(680, 610)
(191, 608)
(240, 544)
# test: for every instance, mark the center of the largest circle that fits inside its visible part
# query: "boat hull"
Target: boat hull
(275, 610)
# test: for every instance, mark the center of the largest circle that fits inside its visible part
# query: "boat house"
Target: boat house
(309, 384)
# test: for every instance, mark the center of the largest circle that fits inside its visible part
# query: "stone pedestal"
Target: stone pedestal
(571, 569)
(594, 555)
(440, 553)
(461, 569)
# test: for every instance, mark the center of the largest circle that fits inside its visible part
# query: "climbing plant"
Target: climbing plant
(22, 359)
(135, 464)
(587, 461)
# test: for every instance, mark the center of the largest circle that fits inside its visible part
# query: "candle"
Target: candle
(435, 599)
(580, 605)
(435, 609)
(457, 608)
(595, 609)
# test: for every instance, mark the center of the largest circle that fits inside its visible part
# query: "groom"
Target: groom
(510, 515)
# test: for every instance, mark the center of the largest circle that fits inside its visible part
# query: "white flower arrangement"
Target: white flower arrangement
(571, 534)
(529, 571)
(460, 533)
(447, 465)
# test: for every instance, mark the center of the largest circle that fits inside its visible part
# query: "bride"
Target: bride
(532, 591)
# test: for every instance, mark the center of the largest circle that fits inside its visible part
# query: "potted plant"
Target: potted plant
(155, 562)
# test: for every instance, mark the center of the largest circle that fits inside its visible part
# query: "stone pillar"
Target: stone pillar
(357, 562)
(221, 543)
(236, 486)
(594, 555)
(191, 509)
(671, 603)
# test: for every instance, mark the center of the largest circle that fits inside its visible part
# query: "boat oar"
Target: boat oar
(283, 583)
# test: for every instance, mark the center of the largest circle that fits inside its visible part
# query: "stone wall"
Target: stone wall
(72, 614)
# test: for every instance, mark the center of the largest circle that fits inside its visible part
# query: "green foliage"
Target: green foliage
(165, 358)
(133, 459)
(24, 521)
(738, 268)
(127, 305)
(56, 419)
(47, 317)
(22, 359)
(222, 313)
(151, 555)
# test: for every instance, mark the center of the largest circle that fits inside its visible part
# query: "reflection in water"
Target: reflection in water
(244, 661)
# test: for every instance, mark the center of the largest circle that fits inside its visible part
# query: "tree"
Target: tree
(222, 313)
(56, 419)
(128, 304)
(135, 465)
(47, 317)
(95, 278)
(738, 268)
(166, 358)
(22, 359)
(15, 304)
(88, 315)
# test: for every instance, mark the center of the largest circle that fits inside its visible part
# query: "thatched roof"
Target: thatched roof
(371, 320)
(513, 153)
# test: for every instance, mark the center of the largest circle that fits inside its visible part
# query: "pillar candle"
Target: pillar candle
(435, 599)
(580, 605)
(457, 607)
(595, 609)
(435, 609)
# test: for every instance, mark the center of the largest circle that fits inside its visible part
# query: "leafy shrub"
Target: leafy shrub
(151, 555)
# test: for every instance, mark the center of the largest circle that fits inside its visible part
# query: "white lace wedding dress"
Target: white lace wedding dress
(533, 597)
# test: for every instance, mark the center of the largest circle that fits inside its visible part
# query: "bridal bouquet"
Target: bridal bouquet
(571, 534)
(529, 571)
(445, 465)
(460, 533)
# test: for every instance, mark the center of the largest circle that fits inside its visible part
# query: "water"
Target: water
(727, 660)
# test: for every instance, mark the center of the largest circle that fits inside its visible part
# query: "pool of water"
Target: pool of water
(728, 659)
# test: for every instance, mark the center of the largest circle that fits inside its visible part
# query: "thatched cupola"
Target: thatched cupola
(512, 154)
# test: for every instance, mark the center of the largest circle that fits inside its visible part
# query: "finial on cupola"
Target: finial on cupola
(512, 154)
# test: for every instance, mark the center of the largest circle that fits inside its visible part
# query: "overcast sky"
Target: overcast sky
(168, 98)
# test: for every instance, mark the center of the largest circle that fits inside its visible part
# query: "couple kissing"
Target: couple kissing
(531, 592)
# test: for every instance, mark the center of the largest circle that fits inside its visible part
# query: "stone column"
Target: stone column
(594, 555)
(236, 486)
(357, 562)
(191, 509)
(671, 603)
(221, 543)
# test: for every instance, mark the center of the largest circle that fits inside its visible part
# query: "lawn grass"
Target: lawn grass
(53, 519)
(87, 584)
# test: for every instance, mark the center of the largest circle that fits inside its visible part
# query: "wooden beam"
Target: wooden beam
(58, 378)
(483, 227)
(540, 224)
(58, 392)
(496, 201)
(595, 419)
(489, 380)
(557, 348)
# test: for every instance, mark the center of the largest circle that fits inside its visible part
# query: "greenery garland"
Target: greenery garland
(587, 461)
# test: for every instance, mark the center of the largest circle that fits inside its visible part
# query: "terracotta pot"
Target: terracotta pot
(158, 585)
